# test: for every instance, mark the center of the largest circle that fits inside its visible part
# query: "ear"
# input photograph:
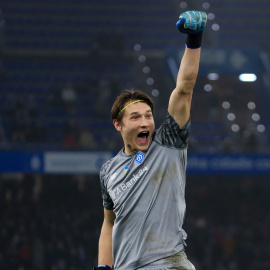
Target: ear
(117, 125)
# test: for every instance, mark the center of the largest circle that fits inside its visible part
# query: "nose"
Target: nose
(144, 122)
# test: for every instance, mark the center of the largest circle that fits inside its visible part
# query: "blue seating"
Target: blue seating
(93, 41)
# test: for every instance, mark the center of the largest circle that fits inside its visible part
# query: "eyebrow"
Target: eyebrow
(139, 113)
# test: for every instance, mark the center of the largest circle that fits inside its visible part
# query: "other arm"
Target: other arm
(105, 240)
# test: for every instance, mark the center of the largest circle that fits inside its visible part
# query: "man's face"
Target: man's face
(137, 127)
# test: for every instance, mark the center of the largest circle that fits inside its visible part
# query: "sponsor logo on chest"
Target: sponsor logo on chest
(128, 184)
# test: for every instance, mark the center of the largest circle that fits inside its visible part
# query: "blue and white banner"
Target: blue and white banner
(90, 163)
(75, 162)
(228, 164)
(53, 162)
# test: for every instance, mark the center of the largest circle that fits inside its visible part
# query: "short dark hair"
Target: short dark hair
(124, 97)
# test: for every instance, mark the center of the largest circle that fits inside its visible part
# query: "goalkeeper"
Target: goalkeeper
(143, 186)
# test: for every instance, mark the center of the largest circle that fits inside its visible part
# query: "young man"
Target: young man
(143, 186)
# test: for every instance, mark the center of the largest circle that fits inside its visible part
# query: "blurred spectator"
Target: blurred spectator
(71, 134)
(251, 139)
(38, 259)
(25, 252)
(227, 146)
(37, 132)
(213, 107)
(18, 131)
(3, 72)
(113, 42)
(55, 98)
(192, 144)
(31, 106)
(86, 140)
(2, 26)
(69, 97)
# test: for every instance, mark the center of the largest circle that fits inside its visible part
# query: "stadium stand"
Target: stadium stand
(238, 24)
(53, 222)
(62, 64)
(88, 47)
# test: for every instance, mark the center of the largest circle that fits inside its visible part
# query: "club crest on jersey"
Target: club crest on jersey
(140, 157)
(126, 168)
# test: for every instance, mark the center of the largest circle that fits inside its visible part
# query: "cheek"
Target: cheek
(129, 133)
(153, 126)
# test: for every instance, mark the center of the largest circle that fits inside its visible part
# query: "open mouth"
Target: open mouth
(142, 137)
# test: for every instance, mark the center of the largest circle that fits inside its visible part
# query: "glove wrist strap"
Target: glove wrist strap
(102, 267)
(194, 41)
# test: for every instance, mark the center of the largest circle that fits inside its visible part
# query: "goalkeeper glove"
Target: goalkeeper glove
(193, 24)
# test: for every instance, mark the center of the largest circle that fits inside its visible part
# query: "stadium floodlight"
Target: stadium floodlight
(251, 105)
(226, 105)
(247, 77)
(256, 117)
(208, 87)
(235, 128)
(212, 76)
(155, 92)
(231, 116)
(211, 16)
(261, 128)
(215, 27)
(150, 81)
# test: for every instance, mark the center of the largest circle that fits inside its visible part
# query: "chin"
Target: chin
(143, 148)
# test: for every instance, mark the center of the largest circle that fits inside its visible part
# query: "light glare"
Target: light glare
(261, 128)
(251, 105)
(235, 128)
(215, 27)
(137, 47)
(212, 76)
(247, 77)
(155, 93)
(150, 81)
(256, 117)
(226, 105)
(231, 116)
(208, 88)
(211, 16)
(183, 4)
(142, 58)
(146, 70)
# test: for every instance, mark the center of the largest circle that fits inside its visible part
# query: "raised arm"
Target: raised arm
(191, 23)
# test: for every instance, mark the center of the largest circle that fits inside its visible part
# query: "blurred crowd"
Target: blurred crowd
(228, 222)
(67, 118)
(70, 119)
(51, 222)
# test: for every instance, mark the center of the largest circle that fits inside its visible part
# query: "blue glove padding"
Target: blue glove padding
(192, 22)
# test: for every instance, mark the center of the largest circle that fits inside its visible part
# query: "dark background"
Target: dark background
(62, 63)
